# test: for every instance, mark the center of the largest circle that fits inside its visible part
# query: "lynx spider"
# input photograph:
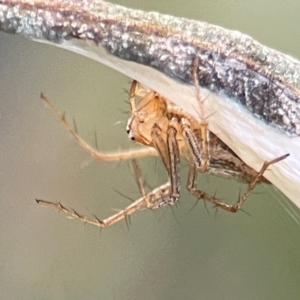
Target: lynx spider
(170, 133)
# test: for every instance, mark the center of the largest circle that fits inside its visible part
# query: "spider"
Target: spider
(170, 133)
(158, 123)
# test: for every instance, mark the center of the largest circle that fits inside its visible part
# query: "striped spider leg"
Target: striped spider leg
(157, 123)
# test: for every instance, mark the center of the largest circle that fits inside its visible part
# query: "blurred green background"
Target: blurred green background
(179, 254)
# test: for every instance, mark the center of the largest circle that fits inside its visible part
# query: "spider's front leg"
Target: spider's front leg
(118, 156)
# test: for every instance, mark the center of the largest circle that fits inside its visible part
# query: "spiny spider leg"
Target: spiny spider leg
(234, 208)
(174, 158)
(192, 143)
(125, 155)
(192, 187)
(160, 146)
(170, 155)
(203, 124)
(134, 92)
(152, 200)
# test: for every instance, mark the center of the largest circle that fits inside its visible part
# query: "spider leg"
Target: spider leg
(192, 187)
(237, 206)
(102, 156)
(132, 94)
(203, 124)
(170, 155)
(198, 146)
(160, 146)
(192, 143)
(152, 200)
(174, 160)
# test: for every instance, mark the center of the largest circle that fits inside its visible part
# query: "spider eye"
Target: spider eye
(131, 136)
(128, 125)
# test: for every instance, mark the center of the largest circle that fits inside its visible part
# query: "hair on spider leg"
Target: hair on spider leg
(56, 204)
(164, 211)
(215, 206)
(145, 184)
(99, 221)
(126, 92)
(139, 179)
(75, 126)
(201, 102)
(148, 173)
(75, 213)
(216, 211)
(173, 212)
(215, 193)
(162, 215)
(210, 115)
(245, 212)
(123, 195)
(220, 199)
(206, 208)
(123, 111)
(127, 221)
(96, 140)
(204, 201)
(195, 204)
(242, 209)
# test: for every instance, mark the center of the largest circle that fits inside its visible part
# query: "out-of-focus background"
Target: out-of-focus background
(165, 254)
